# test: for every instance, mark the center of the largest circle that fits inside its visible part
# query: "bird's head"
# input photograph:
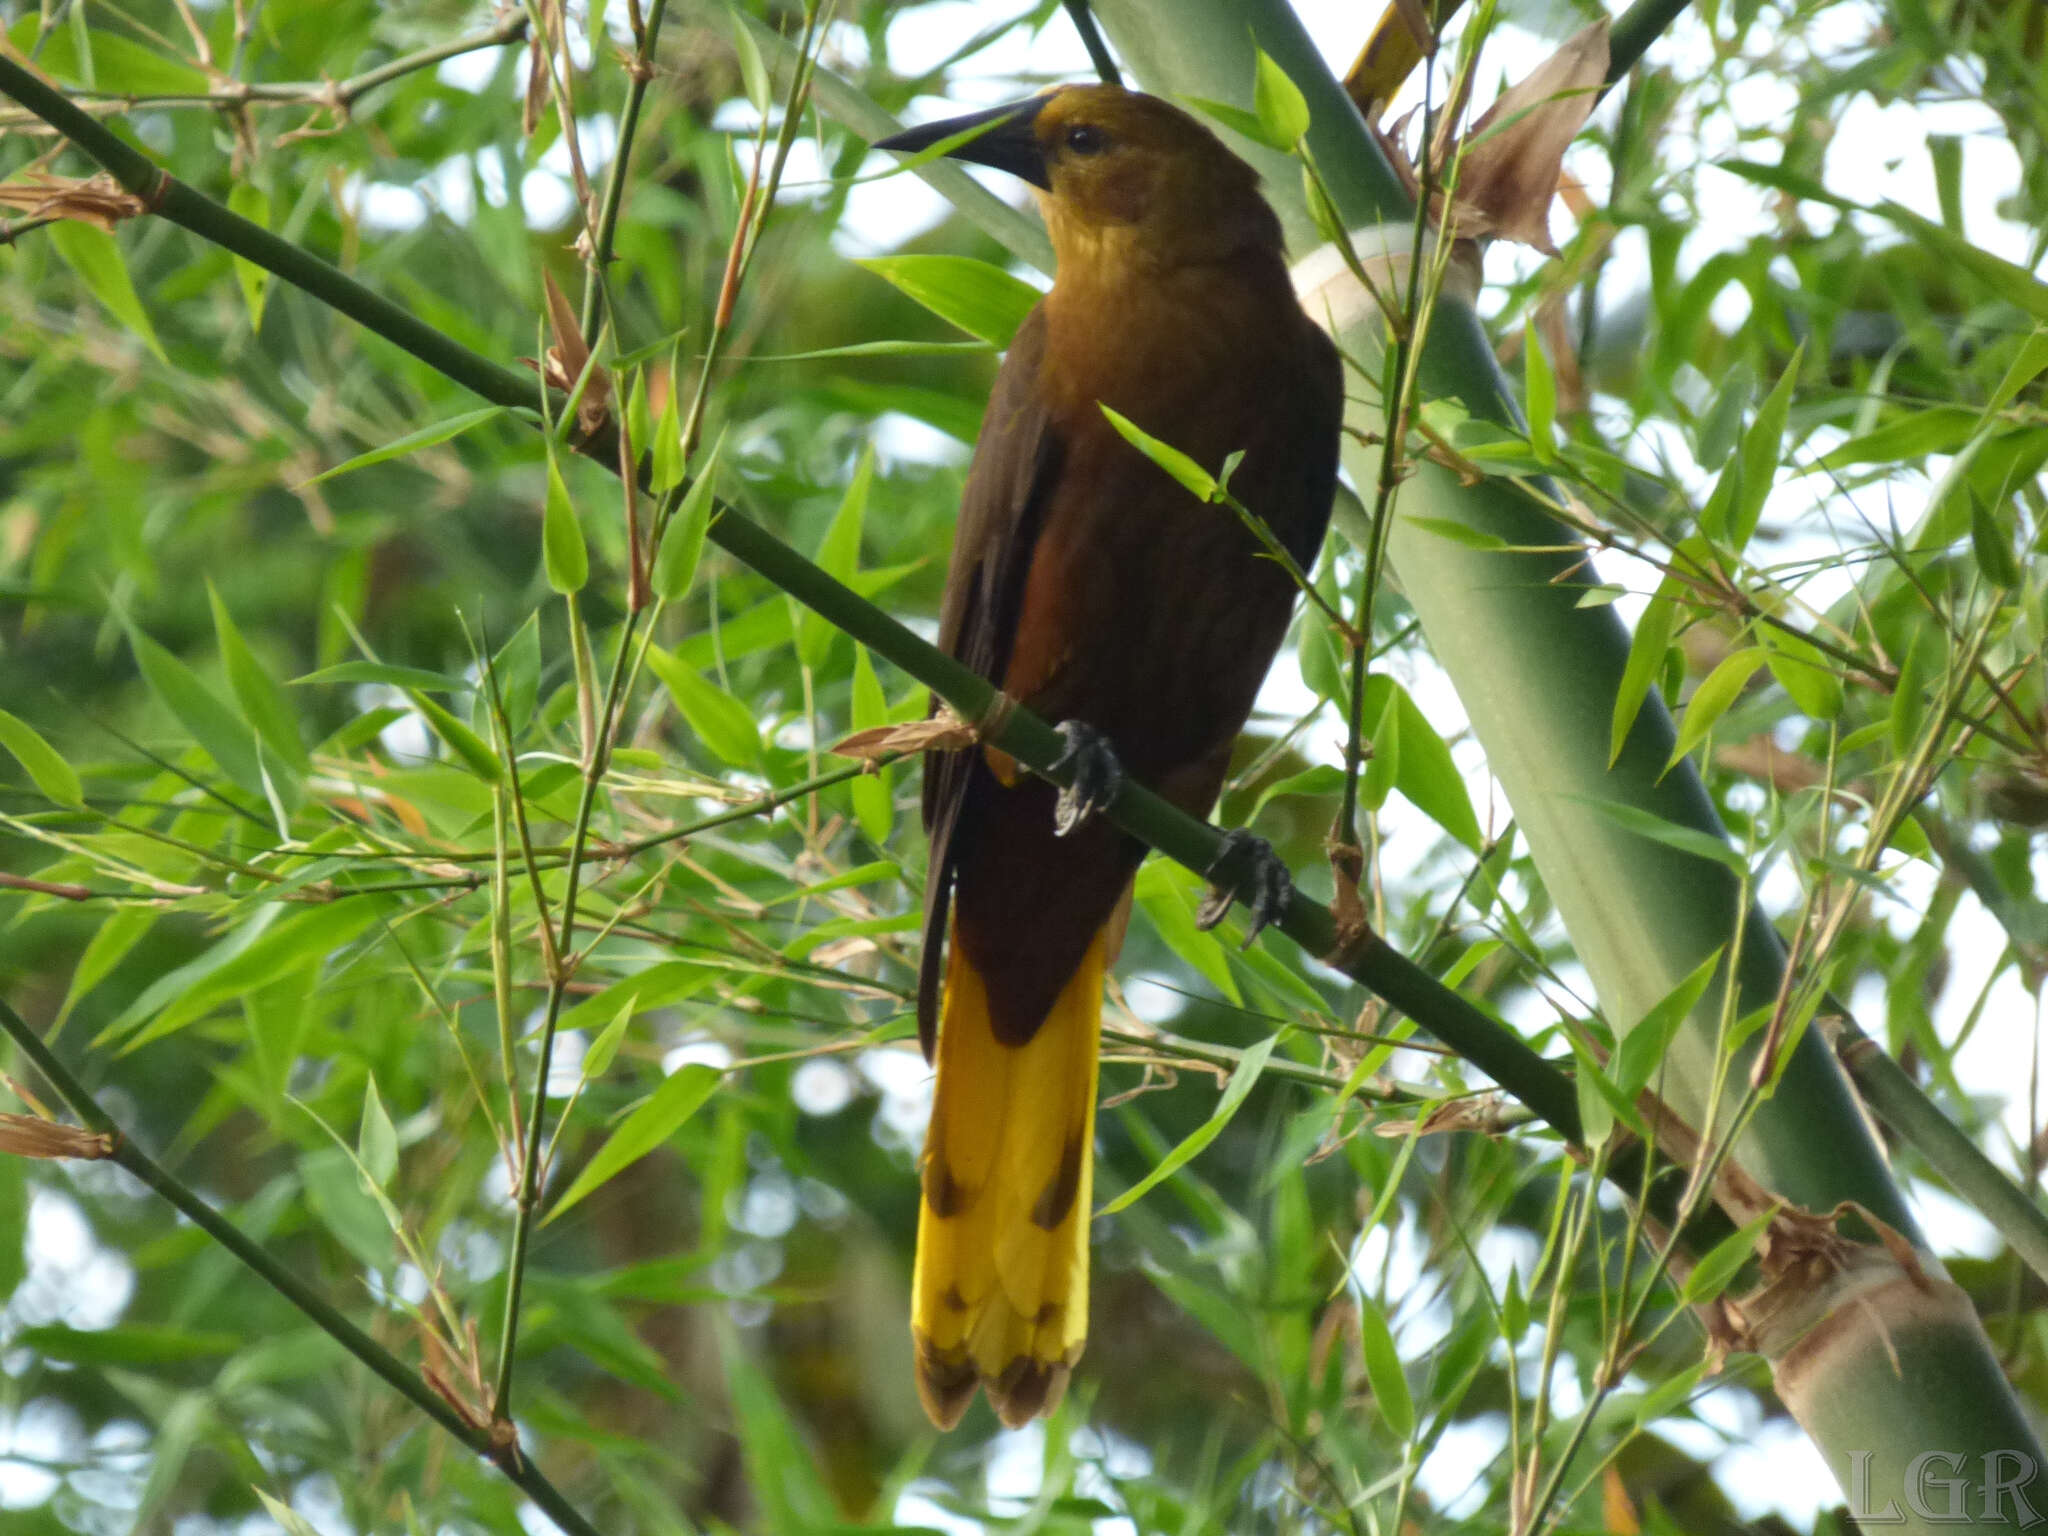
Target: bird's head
(1121, 176)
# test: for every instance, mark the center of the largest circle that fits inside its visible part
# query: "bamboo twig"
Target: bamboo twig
(497, 1443)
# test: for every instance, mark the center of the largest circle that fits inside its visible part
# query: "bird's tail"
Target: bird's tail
(1000, 1295)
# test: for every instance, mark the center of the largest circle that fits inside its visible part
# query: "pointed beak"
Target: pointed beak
(1001, 137)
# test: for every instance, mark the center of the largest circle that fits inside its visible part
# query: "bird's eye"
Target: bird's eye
(1082, 139)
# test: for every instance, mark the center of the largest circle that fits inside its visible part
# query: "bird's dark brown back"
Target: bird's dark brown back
(1094, 587)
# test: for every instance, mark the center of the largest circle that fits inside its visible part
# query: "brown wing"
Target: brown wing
(1016, 461)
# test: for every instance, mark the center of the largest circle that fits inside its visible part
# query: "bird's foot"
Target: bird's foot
(1097, 775)
(1264, 885)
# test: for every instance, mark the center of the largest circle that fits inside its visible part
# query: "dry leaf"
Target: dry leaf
(568, 357)
(942, 732)
(839, 951)
(27, 1136)
(1487, 1114)
(1514, 154)
(97, 200)
(1510, 172)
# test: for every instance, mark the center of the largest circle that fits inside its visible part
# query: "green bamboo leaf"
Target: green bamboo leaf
(347, 1206)
(1319, 782)
(209, 722)
(1539, 396)
(1909, 697)
(982, 299)
(1249, 1066)
(1281, 108)
(1454, 532)
(466, 744)
(1381, 722)
(265, 948)
(1162, 895)
(377, 1141)
(2026, 366)
(103, 60)
(253, 204)
(1937, 429)
(1595, 1099)
(838, 556)
(1645, 661)
(563, 554)
(1642, 1049)
(668, 435)
(2010, 281)
(1761, 446)
(1718, 512)
(1169, 458)
(1717, 1270)
(598, 1059)
(407, 678)
(289, 1520)
(1717, 691)
(1993, 545)
(682, 542)
(1238, 120)
(1429, 777)
(116, 935)
(877, 349)
(1802, 671)
(1721, 428)
(1669, 1393)
(872, 807)
(1702, 845)
(753, 71)
(782, 1469)
(660, 1115)
(135, 1346)
(1383, 1371)
(720, 721)
(54, 778)
(96, 257)
(427, 437)
(639, 418)
(262, 701)
(1514, 1309)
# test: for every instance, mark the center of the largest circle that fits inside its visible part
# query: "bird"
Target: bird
(1095, 589)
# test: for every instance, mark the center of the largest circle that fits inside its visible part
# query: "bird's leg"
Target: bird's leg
(1097, 775)
(1264, 887)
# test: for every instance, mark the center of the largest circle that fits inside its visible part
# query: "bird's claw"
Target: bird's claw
(1266, 889)
(1097, 775)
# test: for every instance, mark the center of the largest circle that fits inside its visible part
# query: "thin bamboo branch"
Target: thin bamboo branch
(640, 72)
(498, 1445)
(337, 96)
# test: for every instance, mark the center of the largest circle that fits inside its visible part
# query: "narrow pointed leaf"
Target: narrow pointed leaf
(659, 1117)
(563, 553)
(47, 770)
(1249, 1066)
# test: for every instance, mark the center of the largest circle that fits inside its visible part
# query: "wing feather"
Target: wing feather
(1017, 460)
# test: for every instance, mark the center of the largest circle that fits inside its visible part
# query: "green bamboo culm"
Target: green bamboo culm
(1538, 677)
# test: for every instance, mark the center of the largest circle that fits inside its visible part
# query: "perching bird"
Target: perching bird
(1101, 594)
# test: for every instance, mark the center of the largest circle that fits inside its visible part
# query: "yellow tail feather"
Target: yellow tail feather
(1000, 1295)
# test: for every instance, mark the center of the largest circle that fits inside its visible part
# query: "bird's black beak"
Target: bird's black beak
(1001, 137)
